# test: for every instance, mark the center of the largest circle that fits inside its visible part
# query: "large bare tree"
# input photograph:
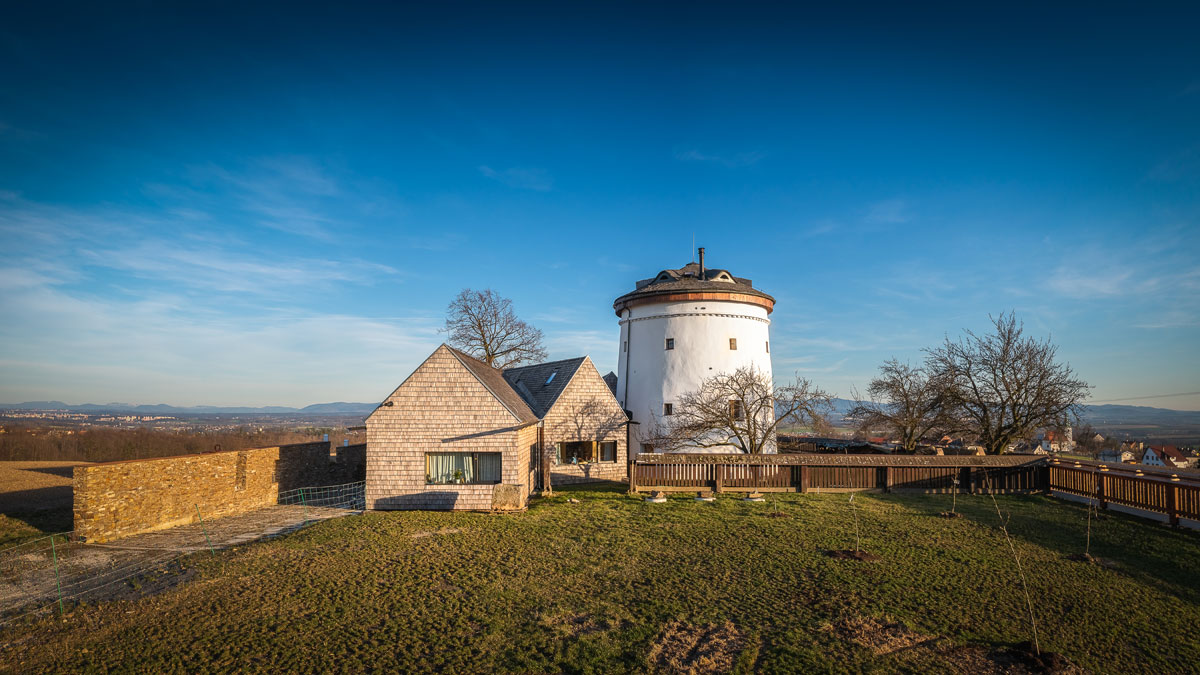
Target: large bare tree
(482, 323)
(906, 402)
(1004, 385)
(740, 409)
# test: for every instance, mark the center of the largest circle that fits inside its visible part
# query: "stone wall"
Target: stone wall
(442, 407)
(586, 411)
(119, 499)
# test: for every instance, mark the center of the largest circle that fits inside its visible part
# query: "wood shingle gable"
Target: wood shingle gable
(493, 380)
(489, 378)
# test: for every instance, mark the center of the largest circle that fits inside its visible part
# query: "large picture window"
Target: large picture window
(462, 468)
(574, 452)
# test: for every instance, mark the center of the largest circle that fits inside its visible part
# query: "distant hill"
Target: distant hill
(1099, 415)
(1106, 415)
(339, 408)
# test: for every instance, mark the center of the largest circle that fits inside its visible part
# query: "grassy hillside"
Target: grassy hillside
(613, 584)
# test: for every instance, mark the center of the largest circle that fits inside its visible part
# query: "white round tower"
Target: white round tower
(680, 328)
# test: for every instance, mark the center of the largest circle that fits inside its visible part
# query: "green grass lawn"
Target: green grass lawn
(613, 584)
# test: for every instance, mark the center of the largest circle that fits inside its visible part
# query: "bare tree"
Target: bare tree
(482, 323)
(1085, 439)
(589, 420)
(905, 401)
(740, 409)
(1004, 386)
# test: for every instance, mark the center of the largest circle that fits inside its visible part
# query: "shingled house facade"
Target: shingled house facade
(457, 428)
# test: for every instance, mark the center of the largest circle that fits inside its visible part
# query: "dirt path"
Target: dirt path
(100, 571)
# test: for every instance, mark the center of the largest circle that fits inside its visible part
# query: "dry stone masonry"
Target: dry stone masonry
(119, 499)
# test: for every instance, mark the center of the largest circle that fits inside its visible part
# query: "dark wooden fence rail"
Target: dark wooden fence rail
(805, 473)
(1158, 493)
(1166, 494)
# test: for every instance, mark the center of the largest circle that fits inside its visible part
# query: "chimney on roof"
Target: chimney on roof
(701, 263)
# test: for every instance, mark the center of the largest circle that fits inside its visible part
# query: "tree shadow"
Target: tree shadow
(1144, 549)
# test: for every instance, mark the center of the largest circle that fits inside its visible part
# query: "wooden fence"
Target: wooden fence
(835, 473)
(1158, 493)
(1161, 493)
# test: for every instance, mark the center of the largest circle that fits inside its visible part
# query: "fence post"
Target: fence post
(804, 478)
(205, 529)
(719, 478)
(304, 504)
(1172, 510)
(633, 476)
(57, 578)
(887, 479)
(1101, 492)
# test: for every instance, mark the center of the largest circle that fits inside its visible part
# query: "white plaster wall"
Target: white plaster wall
(649, 375)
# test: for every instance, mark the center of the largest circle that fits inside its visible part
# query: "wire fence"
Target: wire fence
(54, 572)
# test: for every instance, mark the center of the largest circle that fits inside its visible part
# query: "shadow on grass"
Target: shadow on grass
(1144, 549)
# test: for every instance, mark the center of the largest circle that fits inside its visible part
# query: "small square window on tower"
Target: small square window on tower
(733, 343)
(735, 410)
(670, 343)
(668, 409)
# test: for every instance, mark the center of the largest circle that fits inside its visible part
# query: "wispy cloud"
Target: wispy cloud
(164, 349)
(821, 228)
(522, 178)
(600, 345)
(1178, 166)
(889, 212)
(54, 245)
(735, 160)
(817, 370)
(216, 269)
(1089, 283)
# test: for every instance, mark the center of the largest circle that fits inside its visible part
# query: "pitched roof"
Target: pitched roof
(1169, 451)
(494, 381)
(611, 380)
(691, 278)
(540, 385)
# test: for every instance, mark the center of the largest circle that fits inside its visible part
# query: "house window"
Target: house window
(768, 346)
(608, 451)
(736, 411)
(574, 452)
(733, 343)
(670, 343)
(534, 460)
(647, 447)
(668, 409)
(462, 468)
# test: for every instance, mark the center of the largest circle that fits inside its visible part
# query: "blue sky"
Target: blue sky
(210, 204)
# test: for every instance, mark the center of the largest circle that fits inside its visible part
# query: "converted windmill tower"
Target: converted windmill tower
(680, 328)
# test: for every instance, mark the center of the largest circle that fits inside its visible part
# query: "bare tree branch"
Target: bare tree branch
(483, 324)
(1004, 386)
(742, 409)
(906, 402)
